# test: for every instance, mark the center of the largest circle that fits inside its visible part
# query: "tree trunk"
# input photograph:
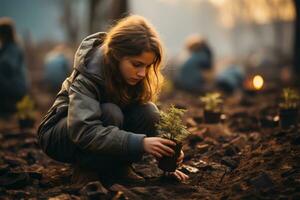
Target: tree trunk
(94, 22)
(70, 22)
(119, 9)
(104, 12)
(297, 40)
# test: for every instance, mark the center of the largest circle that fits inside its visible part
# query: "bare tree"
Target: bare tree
(104, 12)
(297, 39)
(101, 13)
(95, 21)
(119, 9)
(69, 20)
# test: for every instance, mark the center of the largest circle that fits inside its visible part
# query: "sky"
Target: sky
(175, 20)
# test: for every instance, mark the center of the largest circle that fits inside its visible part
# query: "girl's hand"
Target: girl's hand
(179, 175)
(158, 147)
(180, 158)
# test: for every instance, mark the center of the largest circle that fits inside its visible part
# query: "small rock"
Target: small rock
(262, 181)
(189, 169)
(202, 148)
(94, 190)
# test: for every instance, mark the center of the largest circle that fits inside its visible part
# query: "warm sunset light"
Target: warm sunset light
(211, 83)
(254, 11)
(258, 82)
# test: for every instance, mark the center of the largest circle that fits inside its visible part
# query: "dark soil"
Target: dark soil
(247, 156)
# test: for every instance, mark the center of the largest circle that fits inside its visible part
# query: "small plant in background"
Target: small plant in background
(212, 107)
(212, 101)
(288, 108)
(25, 112)
(290, 99)
(171, 127)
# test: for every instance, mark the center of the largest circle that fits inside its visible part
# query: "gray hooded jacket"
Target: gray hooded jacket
(79, 99)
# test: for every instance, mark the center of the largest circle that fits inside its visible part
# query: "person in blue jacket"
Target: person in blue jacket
(194, 73)
(13, 83)
(57, 67)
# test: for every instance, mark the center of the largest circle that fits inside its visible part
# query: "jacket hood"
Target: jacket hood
(88, 57)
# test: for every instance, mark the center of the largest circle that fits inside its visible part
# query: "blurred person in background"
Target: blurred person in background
(13, 81)
(57, 66)
(231, 78)
(196, 71)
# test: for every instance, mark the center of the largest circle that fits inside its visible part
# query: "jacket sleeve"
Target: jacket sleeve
(86, 129)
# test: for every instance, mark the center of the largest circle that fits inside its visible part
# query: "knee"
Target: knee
(56, 144)
(150, 113)
(112, 115)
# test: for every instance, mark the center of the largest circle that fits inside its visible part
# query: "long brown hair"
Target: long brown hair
(132, 36)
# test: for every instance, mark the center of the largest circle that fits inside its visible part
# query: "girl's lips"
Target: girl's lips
(136, 80)
(133, 81)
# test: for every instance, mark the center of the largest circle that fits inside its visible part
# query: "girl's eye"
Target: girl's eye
(137, 64)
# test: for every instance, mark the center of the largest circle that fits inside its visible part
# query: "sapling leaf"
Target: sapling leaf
(170, 125)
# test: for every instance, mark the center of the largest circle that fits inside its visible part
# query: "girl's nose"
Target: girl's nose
(142, 72)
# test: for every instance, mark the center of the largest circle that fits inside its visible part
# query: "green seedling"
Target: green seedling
(290, 99)
(25, 108)
(212, 102)
(171, 126)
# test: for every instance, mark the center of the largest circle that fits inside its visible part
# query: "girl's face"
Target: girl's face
(135, 68)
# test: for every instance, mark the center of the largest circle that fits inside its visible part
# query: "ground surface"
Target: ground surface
(247, 156)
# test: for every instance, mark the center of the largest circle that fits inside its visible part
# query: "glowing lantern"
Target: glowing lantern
(258, 82)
